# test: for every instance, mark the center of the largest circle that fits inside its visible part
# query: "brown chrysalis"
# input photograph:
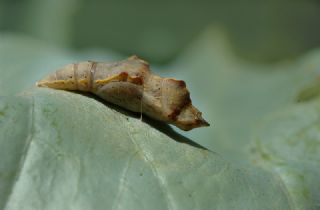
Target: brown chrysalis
(131, 85)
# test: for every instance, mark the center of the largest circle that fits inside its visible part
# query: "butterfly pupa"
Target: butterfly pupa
(131, 85)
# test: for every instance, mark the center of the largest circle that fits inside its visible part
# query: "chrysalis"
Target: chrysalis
(131, 85)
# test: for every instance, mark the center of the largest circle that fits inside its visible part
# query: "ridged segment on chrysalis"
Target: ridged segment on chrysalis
(131, 85)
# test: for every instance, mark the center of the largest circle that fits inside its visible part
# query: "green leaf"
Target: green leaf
(15, 127)
(288, 143)
(62, 150)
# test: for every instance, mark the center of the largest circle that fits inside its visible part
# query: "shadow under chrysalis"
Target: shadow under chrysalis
(160, 126)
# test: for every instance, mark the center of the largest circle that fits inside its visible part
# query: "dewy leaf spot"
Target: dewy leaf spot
(131, 85)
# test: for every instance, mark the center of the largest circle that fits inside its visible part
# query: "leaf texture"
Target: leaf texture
(77, 153)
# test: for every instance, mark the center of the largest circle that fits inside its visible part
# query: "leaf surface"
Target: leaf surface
(288, 143)
(69, 151)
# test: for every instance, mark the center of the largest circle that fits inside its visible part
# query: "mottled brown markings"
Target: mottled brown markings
(178, 110)
(75, 74)
(160, 98)
(91, 74)
(55, 73)
(138, 80)
(123, 77)
(161, 93)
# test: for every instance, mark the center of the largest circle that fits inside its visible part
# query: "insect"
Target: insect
(131, 85)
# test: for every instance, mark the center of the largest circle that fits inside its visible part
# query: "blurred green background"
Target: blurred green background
(252, 68)
(159, 30)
